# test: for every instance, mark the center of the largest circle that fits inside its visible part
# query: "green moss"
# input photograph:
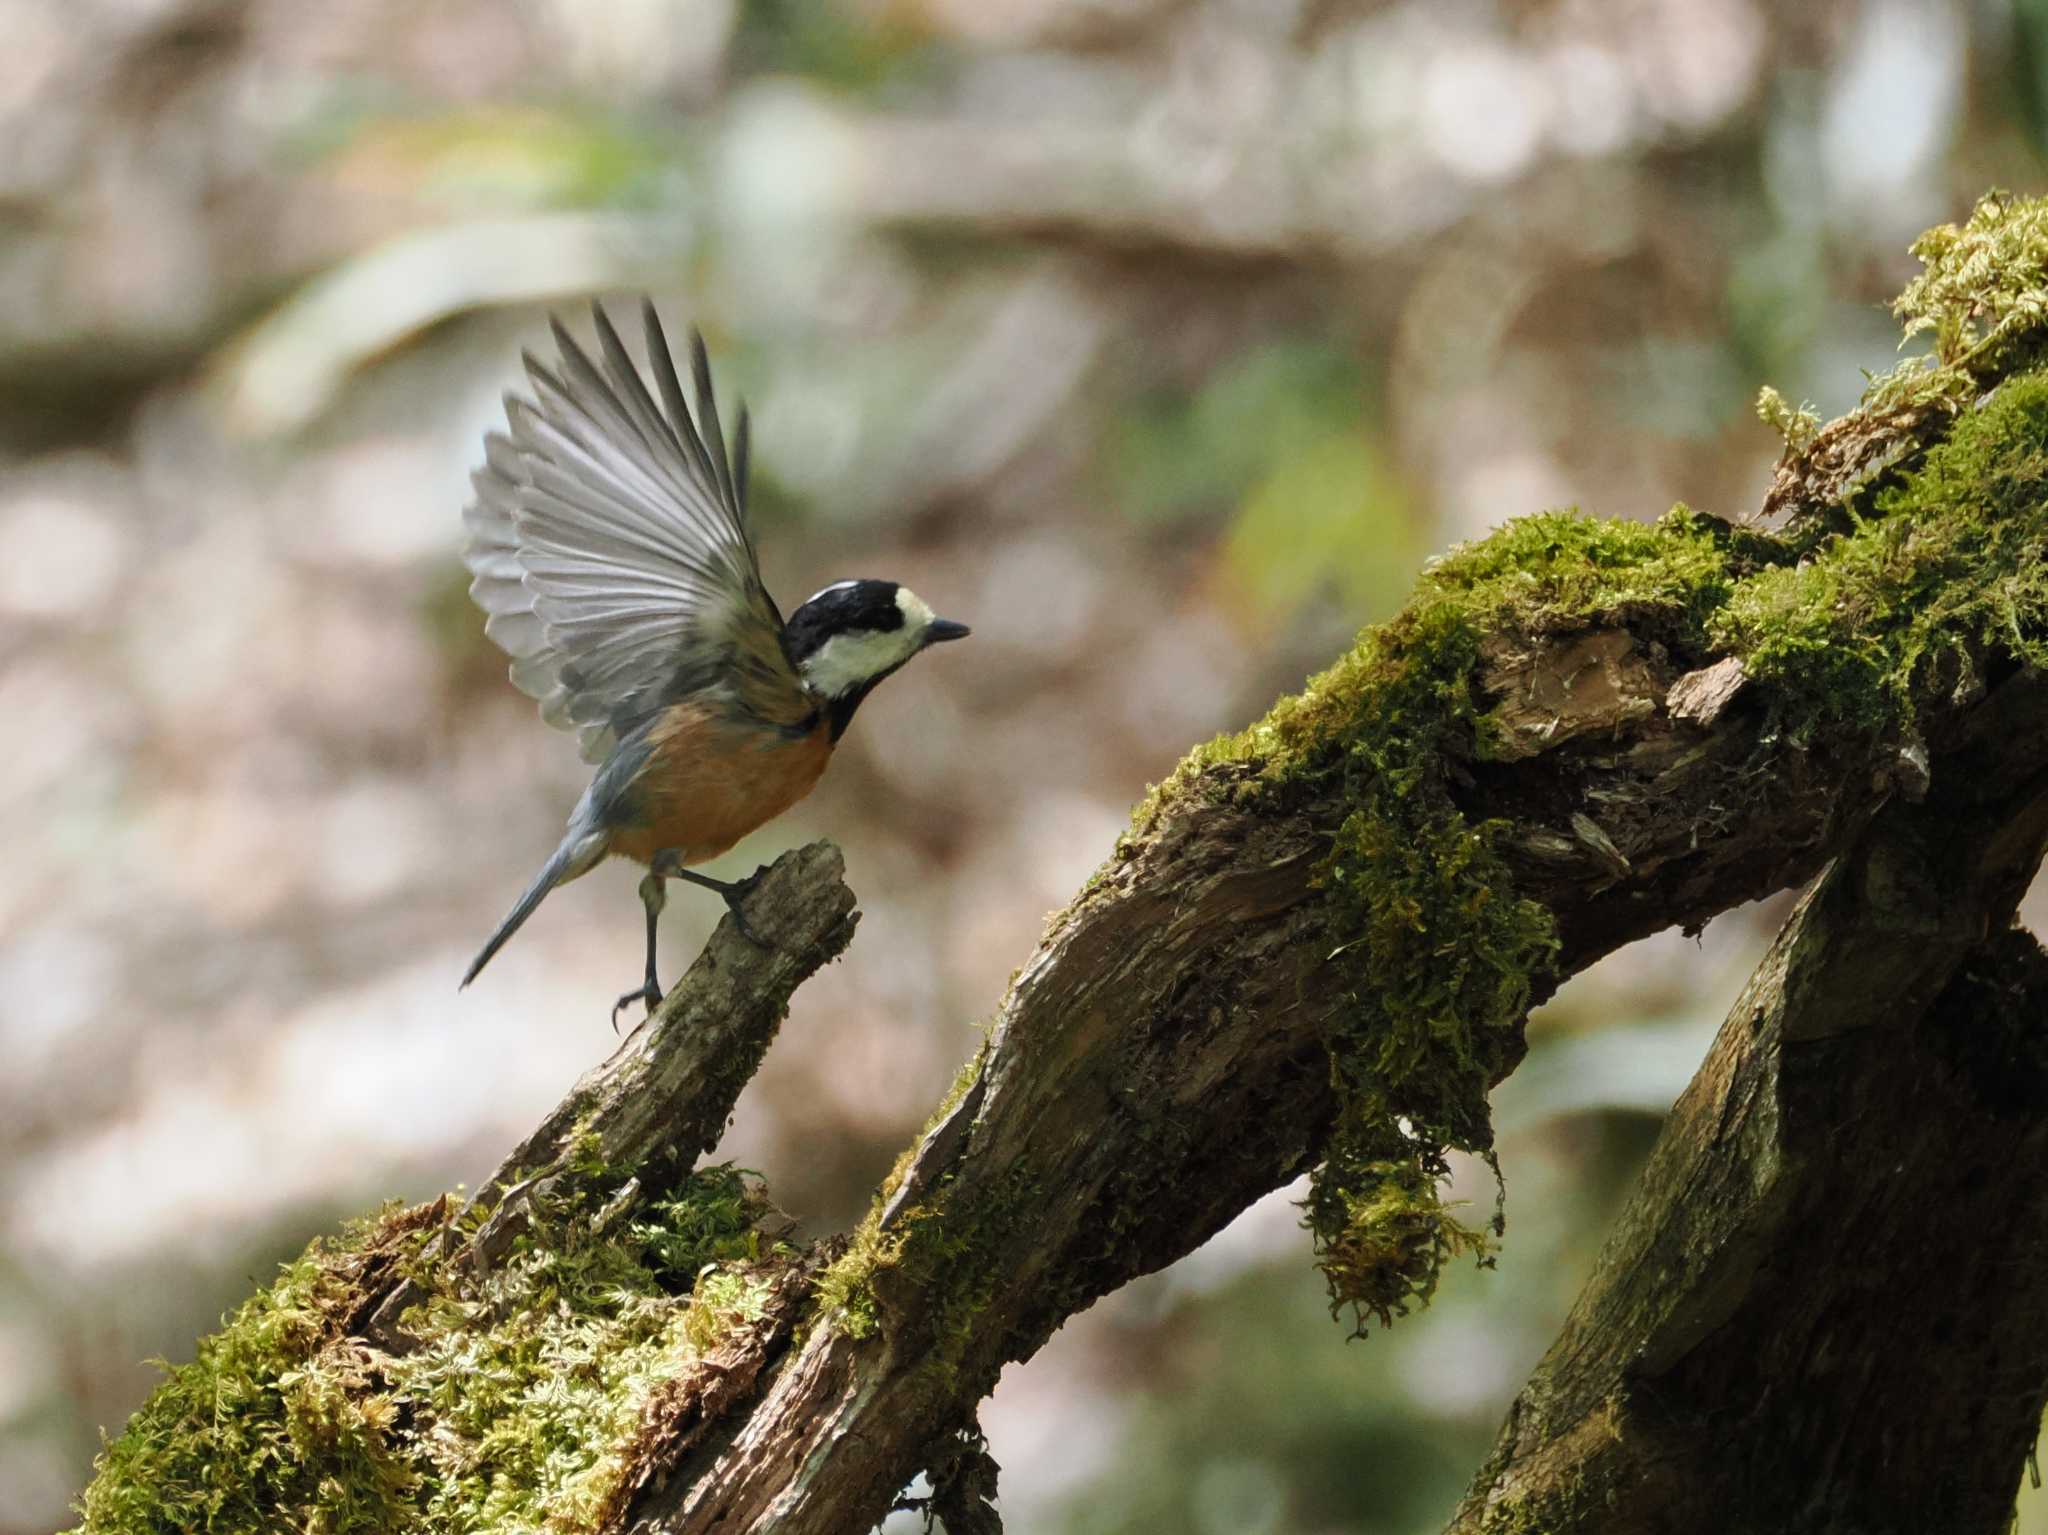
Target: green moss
(1559, 571)
(1836, 626)
(1389, 1231)
(845, 1288)
(1440, 949)
(935, 1255)
(1439, 952)
(940, 1267)
(1951, 558)
(273, 1413)
(1798, 425)
(1550, 572)
(844, 1291)
(1545, 1513)
(1982, 295)
(934, 1267)
(722, 1299)
(515, 1412)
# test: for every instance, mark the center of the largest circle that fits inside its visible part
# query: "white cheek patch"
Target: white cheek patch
(917, 613)
(847, 660)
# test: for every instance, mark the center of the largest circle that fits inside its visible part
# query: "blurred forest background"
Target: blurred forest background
(1160, 340)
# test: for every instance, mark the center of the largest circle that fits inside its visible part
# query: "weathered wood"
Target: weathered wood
(690, 1408)
(669, 1089)
(664, 1097)
(1158, 1064)
(1826, 1307)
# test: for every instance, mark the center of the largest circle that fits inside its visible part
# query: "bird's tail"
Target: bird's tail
(578, 854)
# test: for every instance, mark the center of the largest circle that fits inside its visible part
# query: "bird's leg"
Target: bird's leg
(734, 891)
(654, 896)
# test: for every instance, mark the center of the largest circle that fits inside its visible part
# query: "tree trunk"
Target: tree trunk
(1826, 1307)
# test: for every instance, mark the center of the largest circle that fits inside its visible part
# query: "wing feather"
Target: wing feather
(654, 429)
(664, 365)
(707, 413)
(608, 544)
(741, 441)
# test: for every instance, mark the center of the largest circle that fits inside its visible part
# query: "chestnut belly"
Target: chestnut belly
(708, 782)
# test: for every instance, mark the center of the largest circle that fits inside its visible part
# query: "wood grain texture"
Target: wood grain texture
(1826, 1307)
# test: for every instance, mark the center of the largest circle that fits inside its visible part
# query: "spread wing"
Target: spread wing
(609, 546)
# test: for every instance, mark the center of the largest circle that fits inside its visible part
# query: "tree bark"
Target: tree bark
(663, 1099)
(1157, 1067)
(1826, 1307)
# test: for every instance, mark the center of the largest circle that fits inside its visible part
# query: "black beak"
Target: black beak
(945, 629)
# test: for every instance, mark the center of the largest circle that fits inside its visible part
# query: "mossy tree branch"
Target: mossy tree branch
(1314, 950)
(1160, 1063)
(488, 1367)
(664, 1097)
(1826, 1307)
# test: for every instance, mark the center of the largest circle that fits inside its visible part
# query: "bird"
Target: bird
(610, 551)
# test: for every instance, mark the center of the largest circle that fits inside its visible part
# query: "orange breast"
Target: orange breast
(707, 783)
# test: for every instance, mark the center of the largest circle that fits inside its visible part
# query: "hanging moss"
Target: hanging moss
(1439, 953)
(1952, 560)
(1382, 1229)
(1836, 627)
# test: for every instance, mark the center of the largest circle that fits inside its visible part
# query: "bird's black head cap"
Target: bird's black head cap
(852, 634)
(845, 607)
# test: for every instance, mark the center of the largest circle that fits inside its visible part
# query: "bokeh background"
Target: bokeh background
(1161, 340)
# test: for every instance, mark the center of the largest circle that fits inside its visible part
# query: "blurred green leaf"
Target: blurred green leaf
(1284, 436)
(1687, 390)
(1777, 299)
(828, 41)
(1327, 516)
(1255, 1421)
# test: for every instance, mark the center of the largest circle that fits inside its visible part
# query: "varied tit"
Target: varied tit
(609, 543)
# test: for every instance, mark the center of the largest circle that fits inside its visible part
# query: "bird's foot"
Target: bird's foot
(649, 993)
(732, 891)
(735, 894)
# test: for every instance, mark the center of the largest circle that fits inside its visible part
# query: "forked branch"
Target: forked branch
(1315, 950)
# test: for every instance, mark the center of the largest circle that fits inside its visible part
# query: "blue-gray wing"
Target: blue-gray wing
(609, 544)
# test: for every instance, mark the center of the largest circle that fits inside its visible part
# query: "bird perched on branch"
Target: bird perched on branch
(611, 555)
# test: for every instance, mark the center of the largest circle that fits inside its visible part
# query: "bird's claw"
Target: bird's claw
(649, 993)
(735, 894)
